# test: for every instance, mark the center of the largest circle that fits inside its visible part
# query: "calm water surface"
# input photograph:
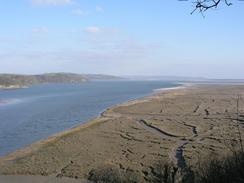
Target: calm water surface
(31, 114)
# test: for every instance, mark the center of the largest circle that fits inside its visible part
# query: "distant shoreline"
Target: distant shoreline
(15, 81)
(12, 87)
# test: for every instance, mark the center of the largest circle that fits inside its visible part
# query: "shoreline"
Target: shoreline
(38, 144)
(182, 86)
(174, 126)
(145, 97)
(12, 87)
(93, 121)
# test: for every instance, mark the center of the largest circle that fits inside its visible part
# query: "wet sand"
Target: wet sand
(181, 126)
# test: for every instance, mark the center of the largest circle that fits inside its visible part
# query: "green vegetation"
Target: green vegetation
(14, 80)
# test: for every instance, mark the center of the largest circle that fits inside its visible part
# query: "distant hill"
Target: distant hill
(18, 81)
(100, 77)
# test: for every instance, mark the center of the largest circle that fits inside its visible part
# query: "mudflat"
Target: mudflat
(37, 179)
(182, 126)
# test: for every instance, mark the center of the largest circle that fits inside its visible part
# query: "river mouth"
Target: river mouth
(31, 114)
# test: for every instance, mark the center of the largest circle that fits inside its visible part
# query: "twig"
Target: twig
(204, 5)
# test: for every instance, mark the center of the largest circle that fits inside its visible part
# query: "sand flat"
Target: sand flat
(198, 120)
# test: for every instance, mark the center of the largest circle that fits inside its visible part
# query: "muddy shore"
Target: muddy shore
(182, 126)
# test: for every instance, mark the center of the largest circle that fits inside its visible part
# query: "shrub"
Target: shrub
(162, 172)
(225, 170)
(112, 175)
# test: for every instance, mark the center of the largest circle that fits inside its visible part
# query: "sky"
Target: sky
(121, 37)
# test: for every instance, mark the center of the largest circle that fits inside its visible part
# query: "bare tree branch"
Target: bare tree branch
(204, 5)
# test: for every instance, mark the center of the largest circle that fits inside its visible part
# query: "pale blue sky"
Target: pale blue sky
(121, 37)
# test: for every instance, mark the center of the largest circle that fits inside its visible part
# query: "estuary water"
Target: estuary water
(31, 114)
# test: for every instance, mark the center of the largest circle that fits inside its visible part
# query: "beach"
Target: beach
(11, 87)
(181, 126)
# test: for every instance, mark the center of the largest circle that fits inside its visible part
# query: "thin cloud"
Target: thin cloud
(80, 12)
(92, 29)
(51, 2)
(99, 9)
(40, 30)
